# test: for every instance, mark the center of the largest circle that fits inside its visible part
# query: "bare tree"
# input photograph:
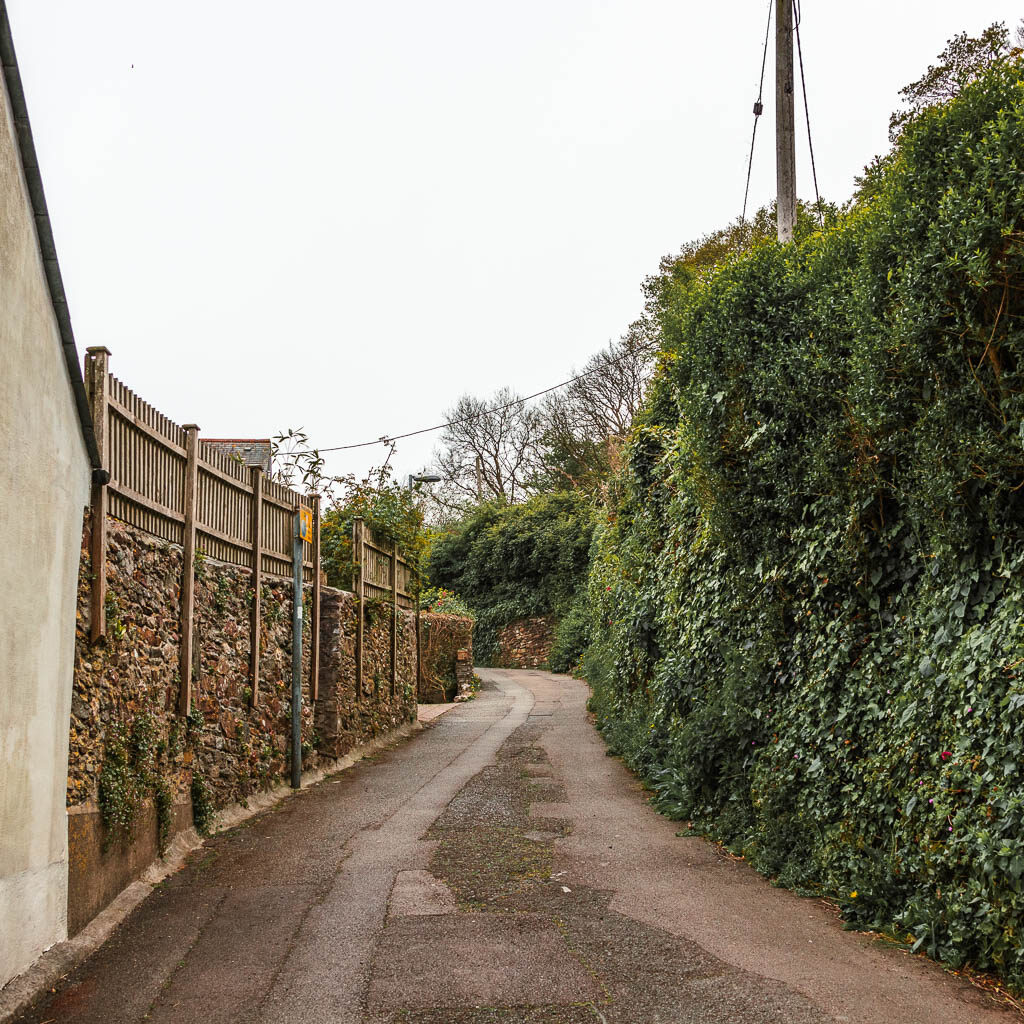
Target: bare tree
(489, 450)
(608, 394)
(585, 425)
(499, 448)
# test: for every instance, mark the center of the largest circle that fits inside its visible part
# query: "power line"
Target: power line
(807, 112)
(389, 439)
(758, 109)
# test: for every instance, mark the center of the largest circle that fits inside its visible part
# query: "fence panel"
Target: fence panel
(405, 584)
(164, 481)
(279, 504)
(381, 575)
(145, 456)
(224, 516)
(375, 558)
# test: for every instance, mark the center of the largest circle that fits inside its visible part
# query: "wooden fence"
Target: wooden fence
(381, 574)
(163, 481)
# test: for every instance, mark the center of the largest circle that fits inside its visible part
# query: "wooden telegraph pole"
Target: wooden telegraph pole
(785, 134)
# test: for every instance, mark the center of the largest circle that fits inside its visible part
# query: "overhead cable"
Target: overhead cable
(758, 109)
(390, 439)
(807, 113)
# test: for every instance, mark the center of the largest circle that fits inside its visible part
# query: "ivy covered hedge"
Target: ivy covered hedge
(511, 562)
(807, 606)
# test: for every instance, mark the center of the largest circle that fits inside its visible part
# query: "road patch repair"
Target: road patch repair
(497, 868)
(525, 946)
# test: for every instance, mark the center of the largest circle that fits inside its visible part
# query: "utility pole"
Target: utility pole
(479, 480)
(785, 134)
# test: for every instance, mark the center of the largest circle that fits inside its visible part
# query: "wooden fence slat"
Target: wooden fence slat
(210, 467)
(152, 507)
(278, 502)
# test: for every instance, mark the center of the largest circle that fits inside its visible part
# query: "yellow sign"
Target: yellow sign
(306, 524)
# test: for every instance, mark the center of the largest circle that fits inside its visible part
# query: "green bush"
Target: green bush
(444, 602)
(515, 561)
(572, 635)
(386, 508)
(511, 562)
(806, 606)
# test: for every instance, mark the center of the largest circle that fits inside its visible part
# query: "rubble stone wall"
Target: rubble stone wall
(346, 716)
(138, 772)
(525, 643)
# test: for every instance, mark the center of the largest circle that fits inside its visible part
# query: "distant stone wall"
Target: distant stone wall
(464, 672)
(442, 672)
(525, 643)
(131, 752)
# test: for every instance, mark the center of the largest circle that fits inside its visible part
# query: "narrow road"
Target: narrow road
(498, 867)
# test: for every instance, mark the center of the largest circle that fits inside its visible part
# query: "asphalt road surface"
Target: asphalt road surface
(498, 867)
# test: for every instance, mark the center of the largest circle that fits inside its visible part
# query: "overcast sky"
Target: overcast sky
(344, 215)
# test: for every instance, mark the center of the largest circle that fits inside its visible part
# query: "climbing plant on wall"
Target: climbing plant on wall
(807, 602)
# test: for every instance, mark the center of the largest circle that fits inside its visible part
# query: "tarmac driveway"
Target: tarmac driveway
(498, 867)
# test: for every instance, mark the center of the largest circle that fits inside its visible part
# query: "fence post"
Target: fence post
(296, 650)
(419, 660)
(358, 553)
(256, 620)
(188, 564)
(98, 385)
(314, 625)
(394, 617)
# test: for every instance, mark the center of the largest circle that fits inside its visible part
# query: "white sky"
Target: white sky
(344, 215)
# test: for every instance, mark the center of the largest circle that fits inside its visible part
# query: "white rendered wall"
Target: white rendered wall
(44, 485)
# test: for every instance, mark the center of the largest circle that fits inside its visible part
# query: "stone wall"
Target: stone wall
(346, 717)
(525, 643)
(139, 772)
(464, 672)
(443, 674)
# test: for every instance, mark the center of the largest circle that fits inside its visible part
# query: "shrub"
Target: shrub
(511, 562)
(572, 634)
(807, 604)
(444, 602)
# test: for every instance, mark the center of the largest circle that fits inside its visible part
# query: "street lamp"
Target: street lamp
(423, 478)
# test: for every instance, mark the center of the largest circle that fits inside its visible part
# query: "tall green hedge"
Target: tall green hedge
(515, 561)
(808, 603)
